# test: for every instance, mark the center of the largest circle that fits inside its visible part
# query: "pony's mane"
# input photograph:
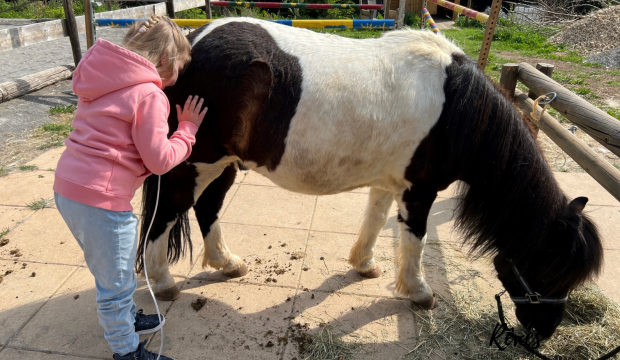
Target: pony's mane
(510, 196)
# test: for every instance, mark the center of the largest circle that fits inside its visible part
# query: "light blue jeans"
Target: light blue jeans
(109, 240)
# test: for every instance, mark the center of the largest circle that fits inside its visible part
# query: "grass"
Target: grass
(613, 83)
(3, 171)
(39, 204)
(4, 232)
(567, 79)
(614, 112)
(43, 10)
(585, 93)
(62, 109)
(28, 167)
(326, 345)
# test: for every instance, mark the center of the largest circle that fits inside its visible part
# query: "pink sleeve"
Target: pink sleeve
(150, 135)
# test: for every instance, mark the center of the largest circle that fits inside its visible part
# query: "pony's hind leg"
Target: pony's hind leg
(217, 254)
(176, 197)
(362, 253)
(414, 207)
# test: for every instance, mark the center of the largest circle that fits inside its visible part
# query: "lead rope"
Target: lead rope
(146, 242)
(542, 100)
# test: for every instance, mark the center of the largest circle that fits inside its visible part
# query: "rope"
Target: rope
(544, 100)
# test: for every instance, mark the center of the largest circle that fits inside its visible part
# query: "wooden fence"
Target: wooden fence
(599, 125)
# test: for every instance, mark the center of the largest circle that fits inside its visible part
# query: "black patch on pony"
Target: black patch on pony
(510, 199)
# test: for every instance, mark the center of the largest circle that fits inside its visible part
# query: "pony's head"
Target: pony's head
(540, 279)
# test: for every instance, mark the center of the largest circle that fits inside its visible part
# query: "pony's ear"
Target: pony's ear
(254, 90)
(578, 204)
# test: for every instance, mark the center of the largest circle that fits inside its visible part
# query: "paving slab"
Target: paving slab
(236, 322)
(270, 206)
(24, 290)
(608, 280)
(273, 255)
(10, 216)
(43, 238)
(607, 218)
(67, 323)
(384, 328)
(48, 160)
(582, 184)
(17, 354)
(23, 187)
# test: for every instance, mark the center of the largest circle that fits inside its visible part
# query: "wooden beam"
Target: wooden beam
(600, 169)
(386, 9)
(595, 122)
(72, 30)
(455, 15)
(546, 69)
(483, 58)
(401, 14)
(12, 89)
(170, 8)
(508, 79)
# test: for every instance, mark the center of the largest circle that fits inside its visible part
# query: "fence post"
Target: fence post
(208, 8)
(170, 8)
(469, 7)
(400, 21)
(455, 15)
(72, 30)
(90, 25)
(508, 79)
(546, 69)
(386, 9)
(488, 36)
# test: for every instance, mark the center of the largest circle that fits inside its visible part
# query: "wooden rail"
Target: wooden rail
(12, 89)
(595, 122)
(594, 164)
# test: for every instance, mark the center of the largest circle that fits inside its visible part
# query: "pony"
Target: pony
(407, 115)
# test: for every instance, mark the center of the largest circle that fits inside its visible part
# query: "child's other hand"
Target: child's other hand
(191, 111)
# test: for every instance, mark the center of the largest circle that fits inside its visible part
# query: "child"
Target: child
(120, 137)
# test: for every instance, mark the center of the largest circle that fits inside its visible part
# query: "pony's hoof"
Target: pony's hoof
(169, 294)
(428, 303)
(238, 272)
(372, 274)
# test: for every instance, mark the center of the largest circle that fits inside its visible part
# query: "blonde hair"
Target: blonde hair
(160, 41)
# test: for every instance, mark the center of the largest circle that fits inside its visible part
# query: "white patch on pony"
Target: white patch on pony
(209, 172)
(156, 261)
(217, 255)
(359, 123)
(375, 217)
(410, 281)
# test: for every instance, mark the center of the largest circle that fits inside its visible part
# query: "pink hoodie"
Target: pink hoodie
(121, 130)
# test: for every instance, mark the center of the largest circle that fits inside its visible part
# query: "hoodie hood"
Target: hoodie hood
(107, 67)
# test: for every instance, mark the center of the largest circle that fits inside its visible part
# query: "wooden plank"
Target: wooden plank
(483, 58)
(595, 122)
(72, 30)
(600, 169)
(386, 9)
(508, 79)
(12, 89)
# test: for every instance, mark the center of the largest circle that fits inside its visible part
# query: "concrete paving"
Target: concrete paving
(47, 296)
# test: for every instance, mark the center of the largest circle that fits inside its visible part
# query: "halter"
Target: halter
(532, 297)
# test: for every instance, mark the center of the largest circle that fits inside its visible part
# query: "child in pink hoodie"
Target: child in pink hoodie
(120, 138)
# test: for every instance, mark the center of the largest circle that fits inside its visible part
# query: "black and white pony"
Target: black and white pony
(407, 115)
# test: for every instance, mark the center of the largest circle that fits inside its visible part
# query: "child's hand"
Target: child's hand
(191, 111)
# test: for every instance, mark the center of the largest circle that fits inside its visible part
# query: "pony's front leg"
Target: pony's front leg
(216, 253)
(414, 207)
(362, 256)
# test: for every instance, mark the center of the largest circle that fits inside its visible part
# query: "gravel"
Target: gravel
(609, 58)
(595, 33)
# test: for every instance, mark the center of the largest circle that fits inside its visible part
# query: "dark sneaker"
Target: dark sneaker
(141, 354)
(147, 324)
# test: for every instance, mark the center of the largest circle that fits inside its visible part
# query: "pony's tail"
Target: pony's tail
(179, 239)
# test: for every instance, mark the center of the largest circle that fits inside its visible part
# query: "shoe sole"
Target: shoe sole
(153, 330)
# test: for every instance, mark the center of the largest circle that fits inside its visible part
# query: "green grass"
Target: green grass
(28, 167)
(567, 79)
(613, 83)
(40, 10)
(62, 109)
(39, 204)
(585, 93)
(614, 112)
(617, 166)
(4, 232)
(3, 171)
